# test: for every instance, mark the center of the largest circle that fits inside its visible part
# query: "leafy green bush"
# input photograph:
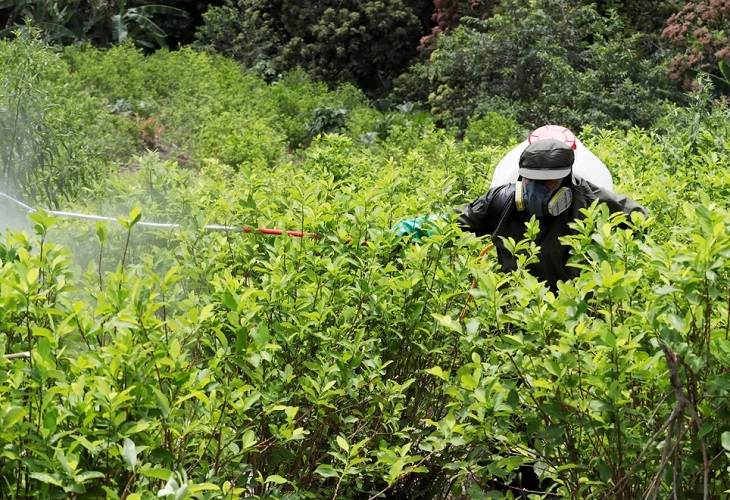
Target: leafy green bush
(192, 105)
(39, 159)
(493, 129)
(295, 97)
(238, 139)
(201, 360)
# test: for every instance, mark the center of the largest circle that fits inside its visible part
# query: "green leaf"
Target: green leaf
(248, 440)
(12, 416)
(725, 440)
(677, 323)
(47, 478)
(157, 473)
(724, 70)
(88, 476)
(50, 420)
(136, 428)
(325, 470)
(229, 301)
(554, 410)
(276, 479)
(129, 452)
(448, 322)
(667, 289)
(705, 430)
(343, 444)
(609, 339)
(135, 215)
(395, 470)
(102, 230)
(194, 488)
(436, 371)
(32, 275)
(604, 472)
(162, 402)
(469, 382)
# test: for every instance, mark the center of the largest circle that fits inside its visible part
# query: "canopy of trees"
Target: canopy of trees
(606, 64)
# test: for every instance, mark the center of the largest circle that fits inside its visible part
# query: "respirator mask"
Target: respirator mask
(539, 200)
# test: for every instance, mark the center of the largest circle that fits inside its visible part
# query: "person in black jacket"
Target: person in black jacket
(547, 189)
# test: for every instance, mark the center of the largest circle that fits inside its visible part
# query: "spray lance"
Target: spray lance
(210, 227)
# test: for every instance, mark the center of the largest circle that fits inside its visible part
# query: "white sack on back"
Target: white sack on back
(587, 165)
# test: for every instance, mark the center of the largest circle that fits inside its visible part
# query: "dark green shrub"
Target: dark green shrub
(367, 43)
(553, 59)
(99, 23)
(295, 97)
(326, 121)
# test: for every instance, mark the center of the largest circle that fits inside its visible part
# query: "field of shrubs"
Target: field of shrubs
(193, 361)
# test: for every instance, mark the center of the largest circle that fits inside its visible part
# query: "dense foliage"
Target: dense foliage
(699, 32)
(604, 64)
(365, 42)
(190, 105)
(39, 157)
(98, 22)
(193, 362)
(550, 61)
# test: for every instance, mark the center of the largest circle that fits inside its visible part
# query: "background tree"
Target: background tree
(448, 12)
(699, 33)
(366, 42)
(638, 15)
(181, 30)
(101, 22)
(546, 60)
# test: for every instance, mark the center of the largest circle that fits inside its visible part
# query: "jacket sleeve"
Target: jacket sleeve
(482, 216)
(618, 202)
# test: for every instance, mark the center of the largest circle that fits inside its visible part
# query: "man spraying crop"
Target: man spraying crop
(546, 188)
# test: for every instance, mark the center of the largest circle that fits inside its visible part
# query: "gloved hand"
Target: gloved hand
(419, 227)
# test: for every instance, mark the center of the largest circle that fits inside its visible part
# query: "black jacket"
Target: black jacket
(496, 214)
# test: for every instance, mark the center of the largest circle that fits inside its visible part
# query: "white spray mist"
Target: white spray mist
(12, 214)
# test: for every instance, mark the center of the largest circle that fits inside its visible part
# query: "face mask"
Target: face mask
(538, 200)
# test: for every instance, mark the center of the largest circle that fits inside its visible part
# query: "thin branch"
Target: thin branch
(673, 361)
(683, 403)
(17, 355)
(668, 450)
(400, 477)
